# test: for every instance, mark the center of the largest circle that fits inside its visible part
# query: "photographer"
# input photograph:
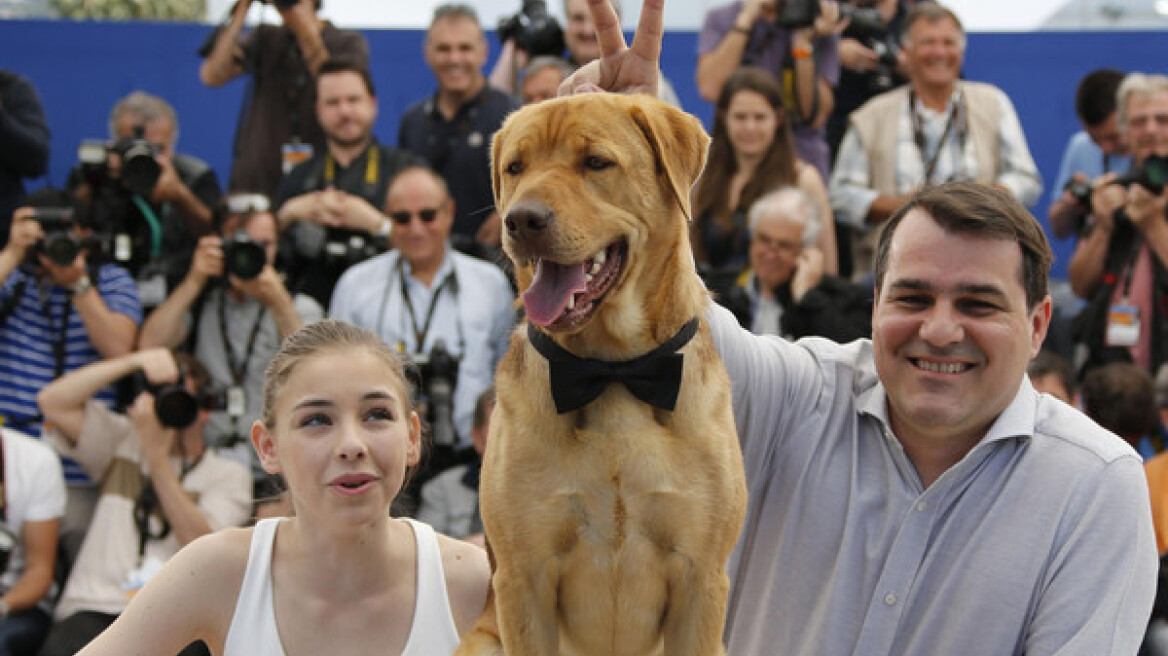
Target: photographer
(797, 41)
(870, 61)
(1099, 148)
(25, 135)
(231, 312)
(329, 204)
(161, 487)
(532, 34)
(147, 201)
(1120, 265)
(453, 128)
(432, 303)
(277, 128)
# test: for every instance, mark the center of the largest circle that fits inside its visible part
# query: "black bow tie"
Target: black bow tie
(654, 378)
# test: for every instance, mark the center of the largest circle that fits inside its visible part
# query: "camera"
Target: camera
(140, 168)
(1151, 174)
(243, 257)
(174, 405)
(59, 244)
(434, 376)
(533, 30)
(794, 14)
(863, 20)
(1080, 191)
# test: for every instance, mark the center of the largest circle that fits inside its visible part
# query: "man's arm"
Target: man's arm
(1085, 270)
(24, 233)
(852, 198)
(39, 540)
(112, 333)
(268, 288)
(165, 326)
(170, 188)
(225, 63)
(715, 66)
(23, 131)
(184, 516)
(63, 400)
(301, 19)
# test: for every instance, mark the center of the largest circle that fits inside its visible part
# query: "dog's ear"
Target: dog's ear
(679, 144)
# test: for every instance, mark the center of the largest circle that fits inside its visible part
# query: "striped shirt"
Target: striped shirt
(27, 361)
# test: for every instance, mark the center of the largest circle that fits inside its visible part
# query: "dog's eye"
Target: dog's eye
(595, 163)
(515, 168)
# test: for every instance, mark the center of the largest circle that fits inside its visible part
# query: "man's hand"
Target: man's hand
(829, 21)
(856, 56)
(64, 276)
(155, 439)
(24, 233)
(1145, 208)
(808, 272)
(1106, 199)
(345, 210)
(169, 188)
(207, 262)
(620, 68)
(267, 288)
(157, 364)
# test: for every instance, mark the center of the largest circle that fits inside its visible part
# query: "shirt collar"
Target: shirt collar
(444, 269)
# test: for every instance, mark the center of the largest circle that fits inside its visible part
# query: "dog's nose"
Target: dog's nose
(528, 220)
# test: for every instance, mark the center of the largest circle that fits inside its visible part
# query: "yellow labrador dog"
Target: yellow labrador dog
(612, 488)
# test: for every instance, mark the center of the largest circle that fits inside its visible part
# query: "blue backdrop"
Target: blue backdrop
(82, 68)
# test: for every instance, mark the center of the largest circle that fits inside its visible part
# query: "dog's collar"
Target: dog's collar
(654, 378)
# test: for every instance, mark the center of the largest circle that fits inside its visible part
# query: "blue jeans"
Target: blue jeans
(22, 632)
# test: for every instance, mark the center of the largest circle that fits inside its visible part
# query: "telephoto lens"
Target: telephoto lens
(243, 257)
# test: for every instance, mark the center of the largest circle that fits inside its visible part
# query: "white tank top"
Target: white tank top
(253, 626)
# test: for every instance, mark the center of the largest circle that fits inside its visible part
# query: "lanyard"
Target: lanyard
(372, 168)
(450, 282)
(238, 371)
(147, 504)
(919, 134)
(59, 343)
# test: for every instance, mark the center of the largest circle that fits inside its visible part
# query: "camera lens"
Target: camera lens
(175, 407)
(243, 258)
(61, 248)
(140, 171)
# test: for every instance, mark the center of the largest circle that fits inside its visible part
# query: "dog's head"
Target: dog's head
(594, 191)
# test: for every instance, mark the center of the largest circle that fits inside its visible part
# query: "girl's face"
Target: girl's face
(343, 434)
(751, 123)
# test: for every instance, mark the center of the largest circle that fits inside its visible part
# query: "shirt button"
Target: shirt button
(890, 599)
(922, 506)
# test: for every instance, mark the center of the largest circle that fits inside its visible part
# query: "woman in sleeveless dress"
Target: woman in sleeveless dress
(341, 576)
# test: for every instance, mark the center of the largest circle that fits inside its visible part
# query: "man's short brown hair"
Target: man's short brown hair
(979, 210)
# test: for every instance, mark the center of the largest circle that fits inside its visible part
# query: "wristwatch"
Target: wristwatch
(82, 285)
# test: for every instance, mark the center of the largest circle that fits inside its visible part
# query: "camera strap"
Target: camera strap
(372, 167)
(58, 344)
(930, 162)
(421, 333)
(147, 505)
(238, 369)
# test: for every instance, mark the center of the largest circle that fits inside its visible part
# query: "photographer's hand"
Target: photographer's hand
(65, 276)
(225, 61)
(268, 288)
(1106, 200)
(353, 212)
(157, 364)
(856, 56)
(830, 20)
(24, 234)
(305, 207)
(171, 189)
(620, 68)
(207, 262)
(301, 19)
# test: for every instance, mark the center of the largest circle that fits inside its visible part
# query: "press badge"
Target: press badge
(123, 247)
(236, 401)
(1123, 325)
(293, 154)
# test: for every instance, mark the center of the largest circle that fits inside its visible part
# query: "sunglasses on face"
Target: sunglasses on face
(404, 217)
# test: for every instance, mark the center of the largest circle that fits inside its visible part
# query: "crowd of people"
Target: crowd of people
(310, 351)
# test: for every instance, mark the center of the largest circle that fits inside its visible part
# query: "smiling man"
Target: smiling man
(956, 510)
(452, 129)
(945, 130)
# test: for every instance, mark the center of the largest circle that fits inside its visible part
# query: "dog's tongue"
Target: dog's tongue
(548, 294)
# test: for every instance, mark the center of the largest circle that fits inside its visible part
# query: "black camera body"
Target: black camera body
(59, 244)
(140, 168)
(533, 30)
(794, 14)
(174, 405)
(243, 257)
(435, 376)
(1080, 191)
(1151, 174)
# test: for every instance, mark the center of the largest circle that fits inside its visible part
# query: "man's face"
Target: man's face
(935, 51)
(159, 132)
(1107, 136)
(580, 34)
(456, 51)
(775, 245)
(1147, 124)
(345, 108)
(541, 85)
(415, 196)
(951, 333)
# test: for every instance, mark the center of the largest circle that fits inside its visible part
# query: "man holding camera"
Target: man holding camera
(1099, 148)
(161, 487)
(797, 41)
(433, 303)
(278, 127)
(329, 204)
(232, 311)
(1121, 263)
(936, 129)
(148, 201)
(452, 129)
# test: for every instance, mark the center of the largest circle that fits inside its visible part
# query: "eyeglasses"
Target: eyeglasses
(403, 217)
